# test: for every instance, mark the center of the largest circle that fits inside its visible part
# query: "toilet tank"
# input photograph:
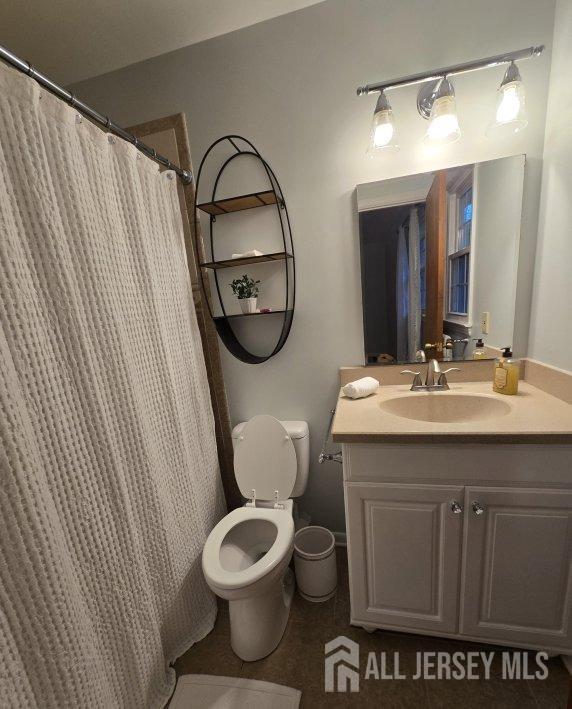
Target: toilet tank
(300, 435)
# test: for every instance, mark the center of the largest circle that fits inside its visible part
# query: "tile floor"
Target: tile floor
(299, 662)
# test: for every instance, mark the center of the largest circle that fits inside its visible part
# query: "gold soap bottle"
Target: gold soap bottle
(507, 372)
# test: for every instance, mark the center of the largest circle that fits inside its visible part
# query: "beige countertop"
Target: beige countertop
(532, 416)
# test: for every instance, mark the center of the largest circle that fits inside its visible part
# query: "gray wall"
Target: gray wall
(551, 334)
(289, 85)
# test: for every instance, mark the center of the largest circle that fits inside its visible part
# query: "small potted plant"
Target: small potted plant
(246, 290)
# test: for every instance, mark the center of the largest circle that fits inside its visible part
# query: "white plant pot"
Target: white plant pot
(248, 305)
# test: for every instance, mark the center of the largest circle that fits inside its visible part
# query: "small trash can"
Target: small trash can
(315, 563)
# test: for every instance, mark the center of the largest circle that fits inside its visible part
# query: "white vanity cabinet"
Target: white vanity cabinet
(462, 540)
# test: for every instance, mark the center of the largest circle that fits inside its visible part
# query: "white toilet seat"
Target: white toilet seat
(222, 578)
(265, 464)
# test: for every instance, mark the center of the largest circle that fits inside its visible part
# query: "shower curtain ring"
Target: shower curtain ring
(72, 101)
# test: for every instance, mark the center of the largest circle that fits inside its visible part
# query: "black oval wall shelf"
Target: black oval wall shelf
(272, 197)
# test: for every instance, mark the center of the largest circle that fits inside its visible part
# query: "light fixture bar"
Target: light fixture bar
(436, 74)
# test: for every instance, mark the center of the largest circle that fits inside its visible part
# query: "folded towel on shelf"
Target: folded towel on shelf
(361, 387)
(246, 254)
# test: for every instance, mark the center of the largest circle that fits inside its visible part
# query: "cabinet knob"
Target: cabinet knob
(456, 508)
(478, 509)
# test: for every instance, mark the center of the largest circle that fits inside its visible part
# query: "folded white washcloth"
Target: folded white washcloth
(361, 387)
(253, 252)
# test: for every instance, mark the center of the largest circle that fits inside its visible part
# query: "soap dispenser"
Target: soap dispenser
(479, 352)
(506, 373)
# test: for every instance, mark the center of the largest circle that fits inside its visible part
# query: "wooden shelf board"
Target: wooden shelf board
(238, 204)
(247, 315)
(230, 262)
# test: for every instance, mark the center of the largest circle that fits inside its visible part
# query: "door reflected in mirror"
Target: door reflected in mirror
(439, 255)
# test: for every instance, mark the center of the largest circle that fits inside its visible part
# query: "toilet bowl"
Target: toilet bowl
(246, 550)
(245, 561)
(246, 556)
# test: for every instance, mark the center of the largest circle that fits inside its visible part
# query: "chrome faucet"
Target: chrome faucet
(433, 370)
(433, 373)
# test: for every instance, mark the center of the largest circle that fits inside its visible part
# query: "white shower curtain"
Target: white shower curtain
(109, 476)
(414, 287)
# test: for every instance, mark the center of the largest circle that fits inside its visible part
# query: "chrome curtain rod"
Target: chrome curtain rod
(436, 74)
(26, 68)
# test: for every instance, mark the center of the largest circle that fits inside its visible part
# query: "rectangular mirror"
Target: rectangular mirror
(439, 256)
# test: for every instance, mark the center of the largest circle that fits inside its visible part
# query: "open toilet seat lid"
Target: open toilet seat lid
(265, 460)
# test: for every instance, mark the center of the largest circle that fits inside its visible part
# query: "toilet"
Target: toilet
(246, 556)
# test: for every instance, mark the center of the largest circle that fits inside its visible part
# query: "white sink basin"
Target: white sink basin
(446, 407)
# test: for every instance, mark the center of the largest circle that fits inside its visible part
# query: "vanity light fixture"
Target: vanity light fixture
(383, 132)
(511, 109)
(436, 99)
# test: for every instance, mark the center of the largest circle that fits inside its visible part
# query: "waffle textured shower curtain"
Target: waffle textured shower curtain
(109, 476)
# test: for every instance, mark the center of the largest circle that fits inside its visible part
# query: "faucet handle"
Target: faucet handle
(416, 377)
(443, 379)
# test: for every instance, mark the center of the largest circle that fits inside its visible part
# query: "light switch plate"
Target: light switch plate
(485, 323)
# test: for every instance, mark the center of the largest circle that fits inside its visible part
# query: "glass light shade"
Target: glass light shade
(443, 125)
(510, 115)
(383, 132)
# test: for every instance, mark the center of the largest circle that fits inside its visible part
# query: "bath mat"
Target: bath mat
(210, 692)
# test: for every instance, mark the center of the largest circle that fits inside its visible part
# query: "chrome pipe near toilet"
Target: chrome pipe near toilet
(335, 457)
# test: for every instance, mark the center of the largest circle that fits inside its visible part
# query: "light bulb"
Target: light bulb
(510, 115)
(509, 105)
(383, 132)
(382, 135)
(443, 125)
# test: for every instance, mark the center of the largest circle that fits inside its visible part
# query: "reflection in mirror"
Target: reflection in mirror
(439, 256)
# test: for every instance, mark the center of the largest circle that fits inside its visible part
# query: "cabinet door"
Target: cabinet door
(516, 566)
(404, 555)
